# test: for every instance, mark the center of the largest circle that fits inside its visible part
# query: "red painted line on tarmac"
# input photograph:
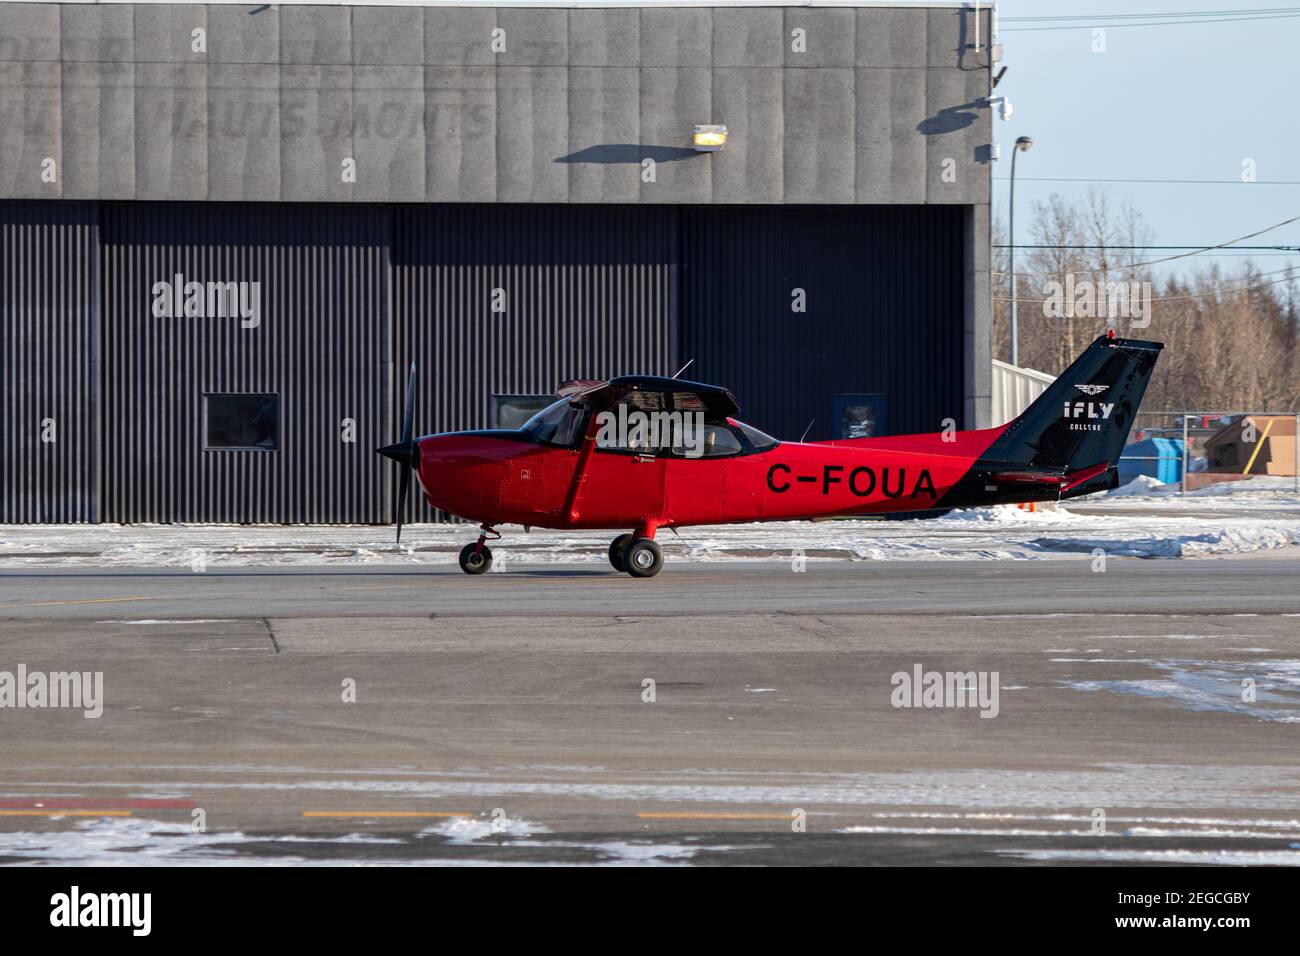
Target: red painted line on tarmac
(65, 813)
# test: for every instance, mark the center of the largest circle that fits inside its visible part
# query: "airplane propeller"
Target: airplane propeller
(405, 452)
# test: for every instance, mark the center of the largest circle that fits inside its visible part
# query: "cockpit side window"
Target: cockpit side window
(556, 424)
(760, 440)
(719, 442)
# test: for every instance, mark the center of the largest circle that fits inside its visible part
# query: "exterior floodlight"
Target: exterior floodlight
(1002, 104)
(709, 139)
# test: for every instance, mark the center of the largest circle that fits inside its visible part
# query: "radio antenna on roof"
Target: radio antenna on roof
(683, 368)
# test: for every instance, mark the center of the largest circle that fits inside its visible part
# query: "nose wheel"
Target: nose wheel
(476, 558)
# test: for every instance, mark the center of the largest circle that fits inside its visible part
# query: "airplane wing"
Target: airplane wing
(653, 393)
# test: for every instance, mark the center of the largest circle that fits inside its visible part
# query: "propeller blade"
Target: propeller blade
(401, 501)
(410, 408)
(405, 453)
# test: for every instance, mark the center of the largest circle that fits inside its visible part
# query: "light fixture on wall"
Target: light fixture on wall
(710, 139)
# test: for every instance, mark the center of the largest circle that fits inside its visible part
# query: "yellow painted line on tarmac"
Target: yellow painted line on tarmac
(89, 601)
(714, 816)
(193, 597)
(65, 813)
(385, 813)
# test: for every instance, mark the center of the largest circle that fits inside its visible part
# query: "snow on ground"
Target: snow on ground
(1139, 520)
(1212, 685)
(112, 841)
(1245, 489)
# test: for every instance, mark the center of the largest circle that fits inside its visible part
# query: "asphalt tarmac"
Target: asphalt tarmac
(720, 713)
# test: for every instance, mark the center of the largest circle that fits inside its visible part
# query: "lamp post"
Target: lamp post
(1022, 144)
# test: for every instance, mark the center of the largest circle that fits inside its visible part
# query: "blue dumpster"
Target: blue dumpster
(1158, 458)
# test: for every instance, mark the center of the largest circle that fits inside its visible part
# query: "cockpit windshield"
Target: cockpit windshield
(760, 440)
(555, 424)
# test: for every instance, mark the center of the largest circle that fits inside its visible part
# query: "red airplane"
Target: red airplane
(590, 461)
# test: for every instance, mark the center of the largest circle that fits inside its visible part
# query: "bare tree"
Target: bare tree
(1231, 336)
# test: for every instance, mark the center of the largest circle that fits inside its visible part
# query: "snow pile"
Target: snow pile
(466, 830)
(1009, 514)
(1143, 486)
(1231, 540)
(1270, 484)
(1259, 487)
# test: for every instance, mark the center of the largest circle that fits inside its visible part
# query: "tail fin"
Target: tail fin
(1077, 428)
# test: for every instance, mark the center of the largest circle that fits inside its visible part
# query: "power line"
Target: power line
(1184, 255)
(1177, 298)
(1164, 13)
(1021, 245)
(1093, 22)
(1204, 182)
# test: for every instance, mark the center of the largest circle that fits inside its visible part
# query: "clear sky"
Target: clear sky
(1188, 101)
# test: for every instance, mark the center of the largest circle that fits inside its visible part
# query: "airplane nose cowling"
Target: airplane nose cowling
(462, 472)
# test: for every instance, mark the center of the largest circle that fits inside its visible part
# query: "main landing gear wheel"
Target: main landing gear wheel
(616, 549)
(643, 558)
(475, 559)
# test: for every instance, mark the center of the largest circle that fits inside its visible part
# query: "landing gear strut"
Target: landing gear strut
(476, 558)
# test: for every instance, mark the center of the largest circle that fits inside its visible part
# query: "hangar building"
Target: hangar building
(226, 230)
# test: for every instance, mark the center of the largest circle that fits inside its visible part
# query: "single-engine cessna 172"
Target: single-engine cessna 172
(567, 467)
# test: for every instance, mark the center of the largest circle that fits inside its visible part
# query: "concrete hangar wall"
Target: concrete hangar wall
(380, 177)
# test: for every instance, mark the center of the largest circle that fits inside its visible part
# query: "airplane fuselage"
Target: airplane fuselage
(503, 477)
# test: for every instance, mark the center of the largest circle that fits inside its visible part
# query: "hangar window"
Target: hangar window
(511, 411)
(243, 421)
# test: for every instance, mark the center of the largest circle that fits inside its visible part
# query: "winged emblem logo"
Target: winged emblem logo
(1092, 389)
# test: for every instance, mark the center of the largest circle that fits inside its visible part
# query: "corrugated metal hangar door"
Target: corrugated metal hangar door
(498, 302)
(266, 408)
(49, 362)
(822, 312)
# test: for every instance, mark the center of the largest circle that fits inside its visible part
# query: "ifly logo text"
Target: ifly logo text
(1089, 409)
(134, 910)
(1097, 412)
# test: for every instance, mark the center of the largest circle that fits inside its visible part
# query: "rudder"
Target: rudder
(1082, 420)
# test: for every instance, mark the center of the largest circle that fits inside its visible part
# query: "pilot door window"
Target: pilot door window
(642, 431)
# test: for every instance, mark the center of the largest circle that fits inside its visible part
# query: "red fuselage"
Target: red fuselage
(504, 478)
